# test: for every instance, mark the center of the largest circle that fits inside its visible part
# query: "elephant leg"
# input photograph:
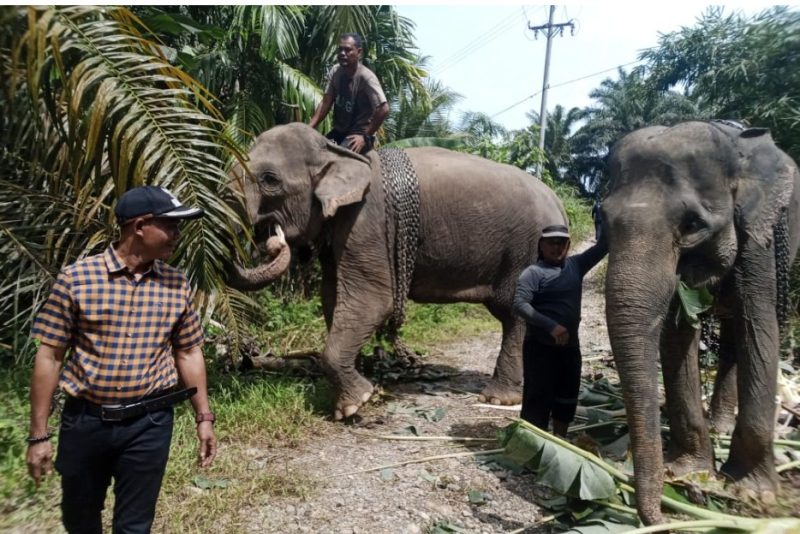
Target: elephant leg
(751, 463)
(328, 289)
(723, 402)
(505, 387)
(354, 320)
(689, 444)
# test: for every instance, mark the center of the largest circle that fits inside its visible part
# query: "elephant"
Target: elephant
(715, 205)
(477, 224)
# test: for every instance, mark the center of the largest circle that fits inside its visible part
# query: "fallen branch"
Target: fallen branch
(542, 521)
(792, 411)
(421, 438)
(783, 442)
(514, 408)
(419, 461)
(601, 424)
(787, 466)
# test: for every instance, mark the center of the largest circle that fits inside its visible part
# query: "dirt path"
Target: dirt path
(417, 497)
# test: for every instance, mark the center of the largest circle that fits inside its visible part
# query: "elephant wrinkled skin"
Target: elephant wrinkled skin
(479, 225)
(697, 202)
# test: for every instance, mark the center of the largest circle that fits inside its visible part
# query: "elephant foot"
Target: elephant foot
(352, 398)
(651, 516)
(501, 394)
(758, 482)
(685, 464)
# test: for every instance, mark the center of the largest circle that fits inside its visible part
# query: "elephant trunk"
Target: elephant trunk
(258, 277)
(639, 287)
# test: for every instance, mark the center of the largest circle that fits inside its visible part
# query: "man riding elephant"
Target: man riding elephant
(359, 105)
(426, 223)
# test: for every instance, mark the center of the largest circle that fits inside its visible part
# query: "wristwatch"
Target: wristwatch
(205, 416)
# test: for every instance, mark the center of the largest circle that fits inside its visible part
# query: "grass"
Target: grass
(261, 418)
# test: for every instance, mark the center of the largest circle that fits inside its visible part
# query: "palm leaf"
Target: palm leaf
(93, 108)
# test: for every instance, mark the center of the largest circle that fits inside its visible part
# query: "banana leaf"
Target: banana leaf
(556, 467)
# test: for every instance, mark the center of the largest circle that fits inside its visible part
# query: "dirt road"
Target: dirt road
(419, 497)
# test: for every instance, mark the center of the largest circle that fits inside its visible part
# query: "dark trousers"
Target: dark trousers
(552, 380)
(91, 452)
(341, 140)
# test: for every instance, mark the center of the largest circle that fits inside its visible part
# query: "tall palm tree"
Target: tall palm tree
(622, 105)
(410, 117)
(90, 107)
(558, 143)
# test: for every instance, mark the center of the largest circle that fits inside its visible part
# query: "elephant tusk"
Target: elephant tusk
(280, 234)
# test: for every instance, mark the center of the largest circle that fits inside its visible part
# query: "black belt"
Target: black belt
(120, 412)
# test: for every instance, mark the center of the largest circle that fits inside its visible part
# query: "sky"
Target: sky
(489, 55)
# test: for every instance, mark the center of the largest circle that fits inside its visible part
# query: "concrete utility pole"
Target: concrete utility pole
(549, 31)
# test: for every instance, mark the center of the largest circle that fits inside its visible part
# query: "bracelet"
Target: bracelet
(205, 416)
(38, 439)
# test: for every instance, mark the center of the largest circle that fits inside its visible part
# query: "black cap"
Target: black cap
(155, 201)
(555, 230)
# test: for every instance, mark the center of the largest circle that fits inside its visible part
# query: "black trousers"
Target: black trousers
(552, 380)
(341, 139)
(91, 452)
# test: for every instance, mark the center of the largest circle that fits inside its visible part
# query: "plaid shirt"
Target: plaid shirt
(122, 332)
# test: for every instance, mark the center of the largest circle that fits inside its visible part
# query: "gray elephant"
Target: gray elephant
(459, 229)
(711, 204)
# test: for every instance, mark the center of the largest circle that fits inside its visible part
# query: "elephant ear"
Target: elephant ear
(343, 179)
(765, 184)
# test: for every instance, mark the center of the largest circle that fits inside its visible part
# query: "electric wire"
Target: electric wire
(479, 42)
(515, 104)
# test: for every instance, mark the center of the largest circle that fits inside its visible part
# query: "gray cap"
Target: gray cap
(555, 230)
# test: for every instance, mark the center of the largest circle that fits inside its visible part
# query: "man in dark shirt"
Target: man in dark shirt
(354, 92)
(548, 297)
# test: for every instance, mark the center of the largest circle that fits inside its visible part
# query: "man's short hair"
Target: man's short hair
(357, 39)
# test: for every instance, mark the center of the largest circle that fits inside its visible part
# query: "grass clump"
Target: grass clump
(428, 325)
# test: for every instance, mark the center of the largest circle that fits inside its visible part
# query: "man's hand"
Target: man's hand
(39, 460)
(560, 335)
(208, 444)
(355, 143)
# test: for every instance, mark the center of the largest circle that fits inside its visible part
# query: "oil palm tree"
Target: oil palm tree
(89, 107)
(622, 105)
(558, 142)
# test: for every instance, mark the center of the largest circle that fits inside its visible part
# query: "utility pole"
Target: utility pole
(549, 31)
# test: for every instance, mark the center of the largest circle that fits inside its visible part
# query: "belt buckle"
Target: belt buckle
(111, 412)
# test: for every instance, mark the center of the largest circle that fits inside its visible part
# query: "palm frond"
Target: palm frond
(91, 108)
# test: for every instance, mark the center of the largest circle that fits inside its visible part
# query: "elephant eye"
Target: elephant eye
(692, 223)
(270, 179)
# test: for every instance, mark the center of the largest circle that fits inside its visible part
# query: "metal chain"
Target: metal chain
(709, 331)
(781, 237)
(401, 193)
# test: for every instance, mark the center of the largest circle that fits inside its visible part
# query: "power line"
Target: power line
(480, 41)
(564, 83)
(476, 42)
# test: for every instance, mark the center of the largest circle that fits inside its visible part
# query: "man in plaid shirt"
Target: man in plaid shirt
(125, 319)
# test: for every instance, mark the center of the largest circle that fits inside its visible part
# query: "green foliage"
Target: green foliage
(256, 411)
(88, 109)
(693, 303)
(623, 105)
(738, 67)
(431, 324)
(554, 466)
(289, 323)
